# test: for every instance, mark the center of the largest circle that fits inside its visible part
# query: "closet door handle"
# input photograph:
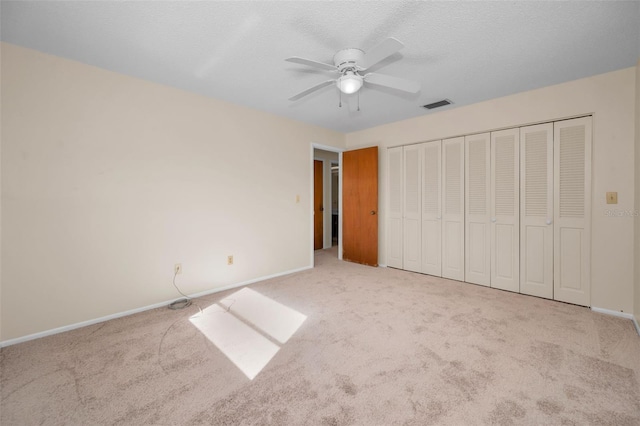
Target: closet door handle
(549, 221)
(493, 219)
(439, 218)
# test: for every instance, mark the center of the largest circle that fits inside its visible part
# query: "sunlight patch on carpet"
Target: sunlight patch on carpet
(246, 325)
(273, 318)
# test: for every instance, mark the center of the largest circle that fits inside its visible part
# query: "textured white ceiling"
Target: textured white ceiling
(235, 51)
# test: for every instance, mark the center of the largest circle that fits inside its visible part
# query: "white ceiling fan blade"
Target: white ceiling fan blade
(311, 63)
(392, 82)
(312, 89)
(380, 52)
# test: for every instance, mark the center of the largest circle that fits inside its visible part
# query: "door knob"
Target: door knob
(439, 217)
(549, 221)
(493, 220)
(372, 212)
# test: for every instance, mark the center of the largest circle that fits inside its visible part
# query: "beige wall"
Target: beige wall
(611, 99)
(108, 181)
(637, 199)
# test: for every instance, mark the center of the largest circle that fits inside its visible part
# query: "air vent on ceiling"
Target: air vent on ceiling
(437, 104)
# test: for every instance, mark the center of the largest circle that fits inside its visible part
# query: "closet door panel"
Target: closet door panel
(431, 208)
(505, 210)
(453, 208)
(411, 224)
(536, 210)
(394, 210)
(477, 225)
(572, 221)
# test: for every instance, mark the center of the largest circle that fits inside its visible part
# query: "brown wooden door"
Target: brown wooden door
(318, 211)
(360, 206)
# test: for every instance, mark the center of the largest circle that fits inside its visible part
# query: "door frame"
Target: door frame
(339, 151)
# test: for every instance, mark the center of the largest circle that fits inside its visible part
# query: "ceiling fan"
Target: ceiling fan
(350, 64)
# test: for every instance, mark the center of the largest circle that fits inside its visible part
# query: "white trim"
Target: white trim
(142, 309)
(635, 323)
(380, 265)
(610, 312)
(327, 147)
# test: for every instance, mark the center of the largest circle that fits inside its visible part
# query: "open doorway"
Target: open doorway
(357, 175)
(326, 199)
(335, 184)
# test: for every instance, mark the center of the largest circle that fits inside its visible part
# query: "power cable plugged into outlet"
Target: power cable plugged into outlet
(180, 303)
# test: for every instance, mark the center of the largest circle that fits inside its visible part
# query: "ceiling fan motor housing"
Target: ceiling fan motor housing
(347, 59)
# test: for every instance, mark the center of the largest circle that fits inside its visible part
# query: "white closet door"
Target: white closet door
(477, 224)
(431, 208)
(453, 211)
(505, 210)
(394, 210)
(411, 233)
(572, 248)
(536, 210)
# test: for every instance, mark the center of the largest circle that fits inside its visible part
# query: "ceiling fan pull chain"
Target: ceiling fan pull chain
(340, 97)
(358, 100)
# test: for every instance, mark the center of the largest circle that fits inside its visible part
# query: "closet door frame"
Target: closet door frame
(572, 218)
(412, 208)
(453, 209)
(505, 228)
(536, 222)
(432, 217)
(477, 248)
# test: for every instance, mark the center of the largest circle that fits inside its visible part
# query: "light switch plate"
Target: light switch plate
(612, 198)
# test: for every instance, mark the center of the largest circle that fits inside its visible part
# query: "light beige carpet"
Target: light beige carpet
(378, 347)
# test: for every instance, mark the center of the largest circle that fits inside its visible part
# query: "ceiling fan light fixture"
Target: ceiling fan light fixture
(349, 83)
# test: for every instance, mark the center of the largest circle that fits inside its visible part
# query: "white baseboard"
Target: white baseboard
(614, 313)
(141, 309)
(382, 265)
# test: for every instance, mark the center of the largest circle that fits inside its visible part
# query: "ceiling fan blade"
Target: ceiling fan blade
(312, 89)
(392, 82)
(311, 63)
(380, 52)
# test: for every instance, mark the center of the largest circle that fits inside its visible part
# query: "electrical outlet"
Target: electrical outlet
(177, 268)
(230, 260)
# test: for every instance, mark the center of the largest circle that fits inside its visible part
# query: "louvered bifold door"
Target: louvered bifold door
(536, 210)
(411, 233)
(505, 210)
(431, 208)
(394, 208)
(572, 231)
(453, 208)
(477, 224)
